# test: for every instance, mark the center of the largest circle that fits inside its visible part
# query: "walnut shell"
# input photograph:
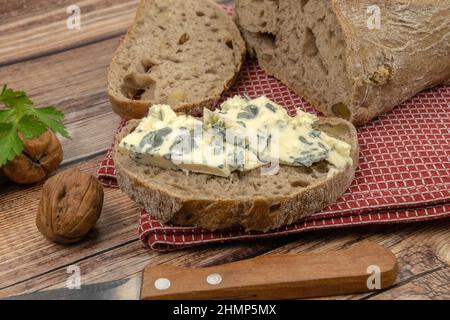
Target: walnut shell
(40, 156)
(70, 206)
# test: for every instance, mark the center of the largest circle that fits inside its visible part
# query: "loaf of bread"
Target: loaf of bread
(245, 199)
(335, 55)
(179, 52)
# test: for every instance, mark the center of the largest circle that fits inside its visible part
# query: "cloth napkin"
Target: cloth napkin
(403, 175)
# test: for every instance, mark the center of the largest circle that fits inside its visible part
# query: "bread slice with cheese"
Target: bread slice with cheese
(245, 199)
(185, 53)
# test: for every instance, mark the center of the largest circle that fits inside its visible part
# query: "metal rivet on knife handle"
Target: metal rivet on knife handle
(214, 279)
(162, 284)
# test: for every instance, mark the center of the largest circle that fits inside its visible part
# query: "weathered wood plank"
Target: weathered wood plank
(90, 136)
(433, 285)
(74, 81)
(35, 28)
(424, 260)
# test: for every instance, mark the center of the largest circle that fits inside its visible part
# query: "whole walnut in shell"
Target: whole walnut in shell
(70, 206)
(40, 156)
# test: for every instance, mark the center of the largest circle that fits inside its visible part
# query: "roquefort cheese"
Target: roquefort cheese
(242, 135)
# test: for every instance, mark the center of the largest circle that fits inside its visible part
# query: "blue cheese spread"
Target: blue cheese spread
(242, 135)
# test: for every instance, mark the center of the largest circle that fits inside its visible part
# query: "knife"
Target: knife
(361, 268)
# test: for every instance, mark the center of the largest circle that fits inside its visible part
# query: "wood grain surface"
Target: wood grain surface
(67, 68)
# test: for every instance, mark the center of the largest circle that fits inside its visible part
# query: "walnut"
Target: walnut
(40, 156)
(70, 206)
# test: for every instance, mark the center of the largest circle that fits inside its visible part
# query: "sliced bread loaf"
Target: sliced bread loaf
(334, 53)
(246, 199)
(180, 52)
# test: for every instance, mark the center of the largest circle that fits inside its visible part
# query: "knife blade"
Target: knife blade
(273, 276)
(124, 289)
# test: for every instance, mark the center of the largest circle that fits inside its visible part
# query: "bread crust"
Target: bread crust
(137, 109)
(260, 213)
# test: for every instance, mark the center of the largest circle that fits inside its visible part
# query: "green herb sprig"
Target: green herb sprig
(20, 115)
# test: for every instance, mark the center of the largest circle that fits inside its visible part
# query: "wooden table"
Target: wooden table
(67, 68)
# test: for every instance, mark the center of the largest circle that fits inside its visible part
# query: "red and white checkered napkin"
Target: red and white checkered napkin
(403, 176)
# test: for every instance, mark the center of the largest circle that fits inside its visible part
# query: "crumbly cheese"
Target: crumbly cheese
(242, 135)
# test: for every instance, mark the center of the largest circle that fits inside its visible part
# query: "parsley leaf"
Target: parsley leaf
(10, 144)
(31, 127)
(4, 114)
(21, 115)
(14, 99)
(51, 117)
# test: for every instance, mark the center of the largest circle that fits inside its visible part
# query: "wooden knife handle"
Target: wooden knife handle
(278, 276)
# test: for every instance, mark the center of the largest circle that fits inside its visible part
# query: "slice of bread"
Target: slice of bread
(185, 53)
(333, 53)
(246, 199)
